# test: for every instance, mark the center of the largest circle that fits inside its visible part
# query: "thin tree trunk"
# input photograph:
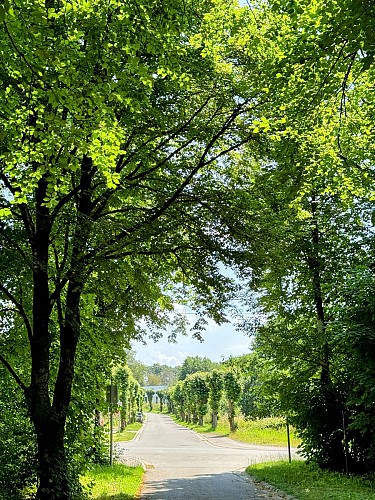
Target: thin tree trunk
(214, 420)
(231, 415)
(315, 268)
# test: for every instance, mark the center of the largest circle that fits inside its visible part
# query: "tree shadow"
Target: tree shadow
(219, 486)
(120, 496)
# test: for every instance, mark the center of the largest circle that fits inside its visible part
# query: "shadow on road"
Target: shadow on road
(236, 486)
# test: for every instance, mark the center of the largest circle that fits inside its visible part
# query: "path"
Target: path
(182, 465)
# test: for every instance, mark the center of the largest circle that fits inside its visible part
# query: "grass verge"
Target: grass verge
(265, 431)
(128, 433)
(113, 483)
(308, 482)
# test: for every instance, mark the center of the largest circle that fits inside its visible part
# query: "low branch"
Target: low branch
(20, 310)
(13, 373)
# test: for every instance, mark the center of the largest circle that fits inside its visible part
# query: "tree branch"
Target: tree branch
(13, 373)
(20, 310)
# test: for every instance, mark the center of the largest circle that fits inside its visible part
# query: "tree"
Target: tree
(150, 394)
(215, 384)
(110, 183)
(179, 400)
(232, 391)
(166, 375)
(162, 397)
(314, 211)
(130, 394)
(137, 368)
(193, 364)
(259, 380)
(198, 392)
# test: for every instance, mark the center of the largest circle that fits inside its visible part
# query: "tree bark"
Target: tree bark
(49, 423)
(231, 415)
(315, 268)
(49, 418)
(54, 483)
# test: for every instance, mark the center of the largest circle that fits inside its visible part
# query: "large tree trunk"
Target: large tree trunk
(54, 483)
(49, 417)
(49, 425)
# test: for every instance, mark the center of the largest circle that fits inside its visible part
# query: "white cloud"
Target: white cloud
(219, 342)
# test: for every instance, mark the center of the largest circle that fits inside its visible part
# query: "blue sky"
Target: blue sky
(220, 342)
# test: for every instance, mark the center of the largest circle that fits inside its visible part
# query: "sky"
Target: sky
(220, 342)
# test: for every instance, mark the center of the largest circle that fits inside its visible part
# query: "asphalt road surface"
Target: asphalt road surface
(182, 465)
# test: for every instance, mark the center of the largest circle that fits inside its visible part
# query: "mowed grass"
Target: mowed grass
(308, 482)
(264, 431)
(113, 483)
(128, 433)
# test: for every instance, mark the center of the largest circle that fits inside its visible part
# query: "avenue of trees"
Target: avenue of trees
(146, 145)
(234, 387)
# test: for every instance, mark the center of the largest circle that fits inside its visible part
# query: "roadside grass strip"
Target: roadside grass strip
(118, 482)
(308, 482)
(263, 432)
(128, 433)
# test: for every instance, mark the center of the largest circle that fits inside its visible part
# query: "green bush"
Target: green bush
(17, 445)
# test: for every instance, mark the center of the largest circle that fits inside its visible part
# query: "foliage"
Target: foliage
(163, 374)
(197, 395)
(256, 400)
(312, 200)
(113, 191)
(193, 364)
(150, 394)
(142, 144)
(130, 395)
(216, 385)
(137, 368)
(161, 394)
(17, 443)
(179, 399)
(232, 391)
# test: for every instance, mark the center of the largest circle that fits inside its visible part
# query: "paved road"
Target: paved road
(181, 465)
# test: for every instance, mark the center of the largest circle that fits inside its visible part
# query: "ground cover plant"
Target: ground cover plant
(308, 482)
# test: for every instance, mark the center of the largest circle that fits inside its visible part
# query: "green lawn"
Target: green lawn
(308, 482)
(265, 431)
(127, 434)
(114, 483)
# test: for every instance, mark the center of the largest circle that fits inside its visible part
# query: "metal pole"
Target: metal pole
(288, 436)
(111, 435)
